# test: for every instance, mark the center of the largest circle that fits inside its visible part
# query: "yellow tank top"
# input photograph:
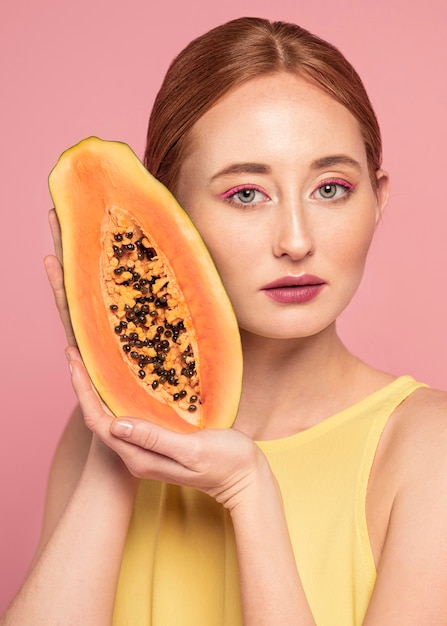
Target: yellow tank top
(179, 566)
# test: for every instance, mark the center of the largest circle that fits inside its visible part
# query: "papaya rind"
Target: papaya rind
(89, 178)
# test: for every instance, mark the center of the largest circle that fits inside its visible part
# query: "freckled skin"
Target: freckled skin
(285, 124)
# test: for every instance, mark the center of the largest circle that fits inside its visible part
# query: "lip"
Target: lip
(294, 281)
(294, 289)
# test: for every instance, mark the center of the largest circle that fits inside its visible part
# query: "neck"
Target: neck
(290, 385)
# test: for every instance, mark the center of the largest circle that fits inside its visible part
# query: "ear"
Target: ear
(382, 192)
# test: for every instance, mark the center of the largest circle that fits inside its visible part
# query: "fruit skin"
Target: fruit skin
(88, 179)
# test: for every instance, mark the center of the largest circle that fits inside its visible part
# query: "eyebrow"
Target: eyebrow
(242, 168)
(261, 168)
(335, 159)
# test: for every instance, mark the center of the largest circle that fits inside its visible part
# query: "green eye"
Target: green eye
(246, 195)
(328, 191)
(249, 195)
(335, 189)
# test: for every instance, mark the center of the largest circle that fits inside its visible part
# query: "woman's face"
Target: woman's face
(276, 181)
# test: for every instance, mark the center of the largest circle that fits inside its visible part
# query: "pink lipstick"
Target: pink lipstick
(294, 289)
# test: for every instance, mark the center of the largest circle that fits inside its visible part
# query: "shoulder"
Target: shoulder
(416, 437)
(421, 418)
(426, 400)
(411, 460)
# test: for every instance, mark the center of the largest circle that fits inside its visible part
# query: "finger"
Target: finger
(98, 418)
(181, 447)
(93, 409)
(141, 462)
(55, 233)
(145, 434)
(73, 354)
(55, 276)
(152, 452)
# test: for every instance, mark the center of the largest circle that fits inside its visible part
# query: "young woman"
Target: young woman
(327, 502)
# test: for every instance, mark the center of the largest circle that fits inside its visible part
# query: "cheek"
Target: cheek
(222, 243)
(351, 249)
(229, 252)
(234, 251)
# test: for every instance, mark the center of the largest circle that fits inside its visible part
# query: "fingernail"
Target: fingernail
(121, 428)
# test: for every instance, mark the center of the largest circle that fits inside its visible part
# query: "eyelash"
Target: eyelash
(337, 182)
(229, 195)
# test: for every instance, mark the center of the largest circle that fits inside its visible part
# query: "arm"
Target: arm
(66, 469)
(74, 574)
(228, 466)
(89, 499)
(412, 572)
(246, 486)
(271, 590)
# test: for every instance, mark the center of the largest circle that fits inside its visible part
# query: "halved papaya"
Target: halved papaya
(151, 317)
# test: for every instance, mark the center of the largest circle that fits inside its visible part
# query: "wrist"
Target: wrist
(258, 485)
(105, 466)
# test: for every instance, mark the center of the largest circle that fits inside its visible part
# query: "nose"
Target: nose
(292, 234)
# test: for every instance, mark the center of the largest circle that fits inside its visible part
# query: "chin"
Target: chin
(285, 332)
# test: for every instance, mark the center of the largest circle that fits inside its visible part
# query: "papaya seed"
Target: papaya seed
(151, 325)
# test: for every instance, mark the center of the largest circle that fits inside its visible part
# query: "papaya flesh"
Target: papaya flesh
(152, 320)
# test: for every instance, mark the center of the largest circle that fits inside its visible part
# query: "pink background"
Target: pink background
(72, 69)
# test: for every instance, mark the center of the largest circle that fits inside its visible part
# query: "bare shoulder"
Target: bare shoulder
(415, 439)
(426, 400)
(419, 425)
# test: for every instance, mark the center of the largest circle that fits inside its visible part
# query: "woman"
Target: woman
(328, 497)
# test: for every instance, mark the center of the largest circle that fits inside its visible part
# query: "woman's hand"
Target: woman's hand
(53, 267)
(222, 463)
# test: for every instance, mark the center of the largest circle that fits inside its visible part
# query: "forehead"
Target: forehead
(276, 116)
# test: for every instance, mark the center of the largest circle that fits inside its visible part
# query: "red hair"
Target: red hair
(232, 54)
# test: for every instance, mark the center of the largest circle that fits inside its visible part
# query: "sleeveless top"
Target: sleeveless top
(179, 565)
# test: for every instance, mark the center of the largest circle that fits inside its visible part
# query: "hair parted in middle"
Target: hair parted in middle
(232, 54)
